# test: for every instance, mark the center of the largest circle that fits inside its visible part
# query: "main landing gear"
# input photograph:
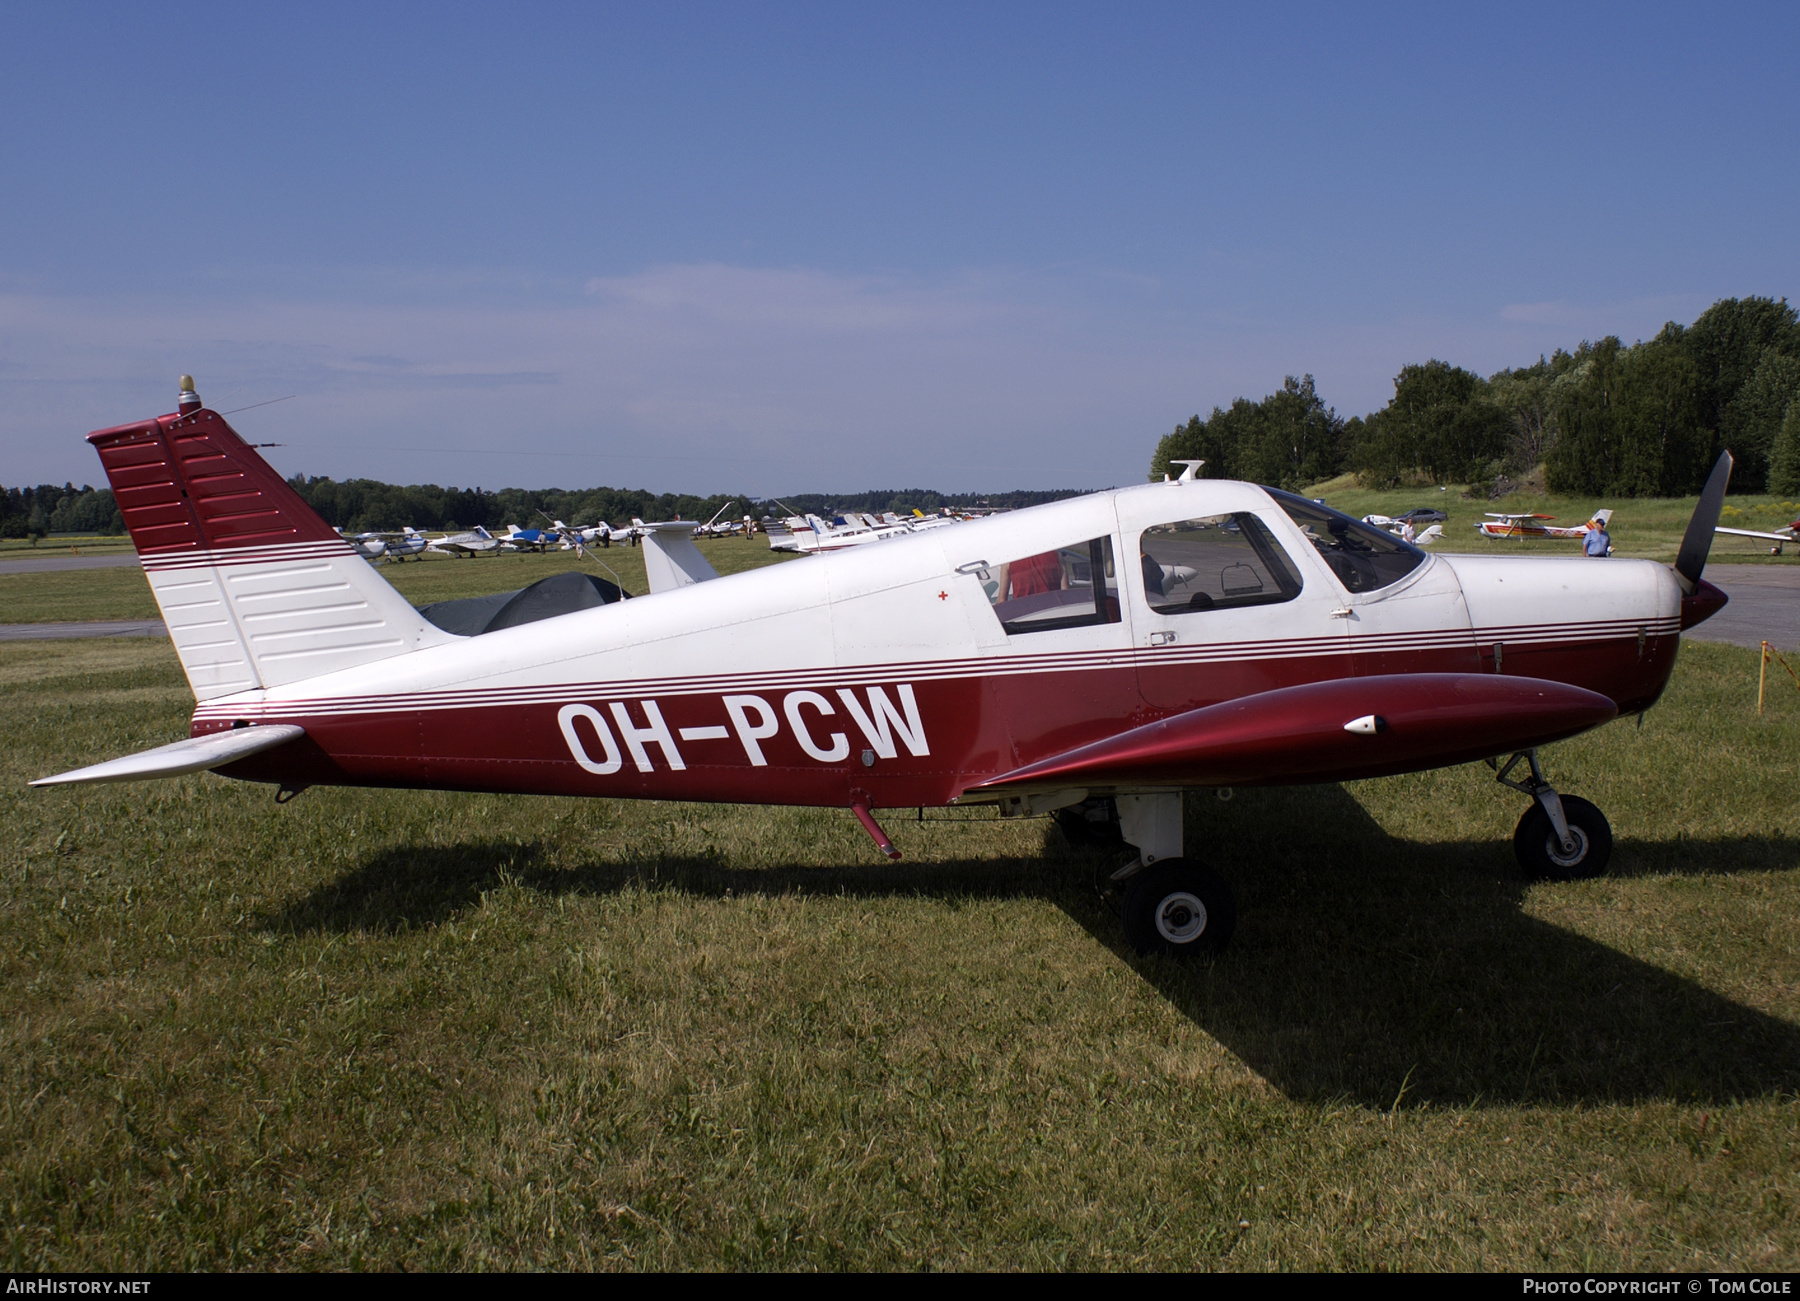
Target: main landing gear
(1172, 905)
(1561, 837)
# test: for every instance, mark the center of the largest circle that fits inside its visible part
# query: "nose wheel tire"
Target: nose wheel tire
(1179, 909)
(1541, 854)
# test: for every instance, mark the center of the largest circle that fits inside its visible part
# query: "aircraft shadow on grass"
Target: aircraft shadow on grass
(1380, 971)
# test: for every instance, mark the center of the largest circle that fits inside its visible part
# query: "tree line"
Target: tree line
(35, 512)
(367, 505)
(1607, 419)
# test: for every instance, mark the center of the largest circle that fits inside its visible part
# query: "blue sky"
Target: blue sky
(782, 248)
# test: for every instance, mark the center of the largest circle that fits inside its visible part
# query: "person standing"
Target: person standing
(1598, 541)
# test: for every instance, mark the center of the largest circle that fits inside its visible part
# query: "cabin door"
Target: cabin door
(1223, 607)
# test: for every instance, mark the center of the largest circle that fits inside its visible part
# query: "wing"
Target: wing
(1335, 730)
(1752, 533)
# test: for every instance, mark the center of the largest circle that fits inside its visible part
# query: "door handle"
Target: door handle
(1343, 612)
(1162, 639)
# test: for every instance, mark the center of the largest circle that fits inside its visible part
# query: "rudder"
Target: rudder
(257, 591)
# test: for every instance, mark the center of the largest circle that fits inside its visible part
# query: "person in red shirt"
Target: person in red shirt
(1039, 573)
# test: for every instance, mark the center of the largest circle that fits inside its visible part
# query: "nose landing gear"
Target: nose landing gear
(1560, 837)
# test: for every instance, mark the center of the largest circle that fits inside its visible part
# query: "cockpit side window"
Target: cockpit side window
(1071, 587)
(1216, 562)
(1363, 557)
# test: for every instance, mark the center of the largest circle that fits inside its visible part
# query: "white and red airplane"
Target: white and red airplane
(1092, 657)
(1527, 526)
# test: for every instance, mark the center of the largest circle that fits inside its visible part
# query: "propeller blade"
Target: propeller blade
(1697, 541)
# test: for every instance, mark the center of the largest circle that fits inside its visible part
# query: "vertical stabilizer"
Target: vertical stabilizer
(671, 559)
(256, 589)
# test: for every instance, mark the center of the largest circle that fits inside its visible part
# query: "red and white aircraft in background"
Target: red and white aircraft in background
(1522, 526)
(1092, 657)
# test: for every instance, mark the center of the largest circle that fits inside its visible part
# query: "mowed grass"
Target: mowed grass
(390, 1029)
(64, 544)
(83, 594)
(62, 595)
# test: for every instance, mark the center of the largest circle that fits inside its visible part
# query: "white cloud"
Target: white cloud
(707, 377)
(1632, 319)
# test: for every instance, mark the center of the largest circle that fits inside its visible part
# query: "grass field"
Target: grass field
(386, 1029)
(63, 544)
(77, 594)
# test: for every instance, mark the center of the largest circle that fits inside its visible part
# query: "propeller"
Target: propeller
(1697, 541)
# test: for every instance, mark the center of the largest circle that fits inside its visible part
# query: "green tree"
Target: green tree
(1784, 458)
(1441, 426)
(1756, 413)
(1629, 421)
(1727, 342)
(1289, 439)
(1524, 394)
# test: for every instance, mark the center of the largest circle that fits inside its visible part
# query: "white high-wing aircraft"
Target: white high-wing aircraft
(1780, 537)
(1525, 524)
(379, 545)
(575, 536)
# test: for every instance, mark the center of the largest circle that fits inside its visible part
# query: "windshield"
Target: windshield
(1364, 558)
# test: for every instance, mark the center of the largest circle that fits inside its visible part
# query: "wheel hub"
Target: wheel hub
(1180, 917)
(1579, 842)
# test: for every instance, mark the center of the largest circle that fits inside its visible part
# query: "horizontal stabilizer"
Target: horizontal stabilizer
(194, 755)
(1328, 731)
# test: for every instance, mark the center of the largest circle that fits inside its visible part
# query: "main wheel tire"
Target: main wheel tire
(1540, 852)
(1090, 823)
(1179, 909)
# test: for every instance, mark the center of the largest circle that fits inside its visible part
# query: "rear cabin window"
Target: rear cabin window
(1364, 558)
(1217, 562)
(1071, 587)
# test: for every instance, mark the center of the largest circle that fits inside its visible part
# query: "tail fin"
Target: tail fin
(257, 591)
(1602, 517)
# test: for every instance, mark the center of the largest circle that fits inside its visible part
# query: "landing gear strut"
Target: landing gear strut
(1560, 837)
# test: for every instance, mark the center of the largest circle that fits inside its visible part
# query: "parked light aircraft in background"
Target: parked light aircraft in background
(1424, 538)
(475, 542)
(532, 539)
(1780, 537)
(1522, 526)
(388, 545)
(810, 533)
(1090, 658)
(575, 537)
